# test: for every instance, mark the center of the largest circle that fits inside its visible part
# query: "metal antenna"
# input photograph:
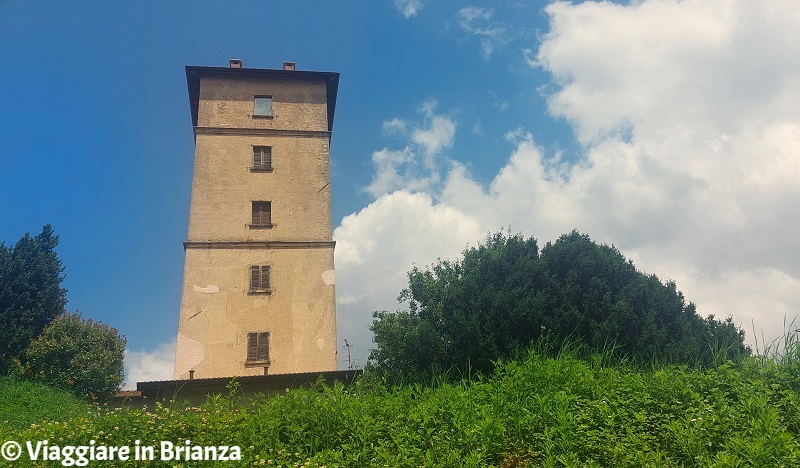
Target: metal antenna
(349, 364)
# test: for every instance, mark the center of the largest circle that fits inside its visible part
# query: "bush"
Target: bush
(506, 294)
(82, 356)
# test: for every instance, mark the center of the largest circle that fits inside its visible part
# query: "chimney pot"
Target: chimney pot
(236, 63)
(289, 66)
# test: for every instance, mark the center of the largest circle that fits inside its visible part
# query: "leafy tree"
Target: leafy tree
(82, 356)
(504, 294)
(407, 344)
(31, 295)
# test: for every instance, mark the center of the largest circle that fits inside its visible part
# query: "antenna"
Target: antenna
(349, 364)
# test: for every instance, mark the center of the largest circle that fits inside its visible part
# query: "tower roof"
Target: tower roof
(193, 75)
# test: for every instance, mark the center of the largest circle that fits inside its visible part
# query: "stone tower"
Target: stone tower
(258, 286)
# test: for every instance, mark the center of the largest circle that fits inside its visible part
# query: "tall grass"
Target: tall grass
(25, 403)
(540, 410)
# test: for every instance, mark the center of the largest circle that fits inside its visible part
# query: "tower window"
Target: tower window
(260, 279)
(258, 347)
(262, 214)
(262, 158)
(262, 106)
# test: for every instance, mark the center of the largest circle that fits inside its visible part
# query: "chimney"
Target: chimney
(236, 63)
(191, 375)
(288, 66)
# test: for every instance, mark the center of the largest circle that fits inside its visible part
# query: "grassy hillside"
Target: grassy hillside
(540, 411)
(25, 403)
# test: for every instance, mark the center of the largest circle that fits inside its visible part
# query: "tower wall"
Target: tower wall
(220, 310)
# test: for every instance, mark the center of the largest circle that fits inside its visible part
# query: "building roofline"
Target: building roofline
(253, 378)
(194, 73)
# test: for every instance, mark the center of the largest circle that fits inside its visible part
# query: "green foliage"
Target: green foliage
(416, 351)
(24, 403)
(538, 411)
(82, 356)
(31, 295)
(504, 294)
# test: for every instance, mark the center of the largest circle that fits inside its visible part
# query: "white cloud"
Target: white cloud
(690, 137)
(501, 104)
(408, 8)
(395, 169)
(437, 136)
(376, 247)
(477, 127)
(395, 126)
(415, 167)
(478, 22)
(146, 366)
(438, 131)
(712, 63)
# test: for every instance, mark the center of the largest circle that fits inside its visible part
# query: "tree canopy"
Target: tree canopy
(31, 295)
(505, 294)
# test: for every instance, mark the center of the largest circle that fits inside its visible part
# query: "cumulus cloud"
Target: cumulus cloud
(416, 166)
(376, 247)
(689, 134)
(480, 23)
(436, 137)
(146, 366)
(408, 8)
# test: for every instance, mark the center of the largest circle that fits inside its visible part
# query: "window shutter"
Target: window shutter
(252, 346)
(255, 281)
(262, 106)
(266, 157)
(263, 347)
(261, 213)
(256, 215)
(265, 277)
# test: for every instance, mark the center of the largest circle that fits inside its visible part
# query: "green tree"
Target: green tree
(82, 356)
(31, 295)
(407, 345)
(504, 294)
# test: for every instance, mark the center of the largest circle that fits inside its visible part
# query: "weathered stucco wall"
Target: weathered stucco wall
(296, 104)
(217, 311)
(217, 308)
(224, 187)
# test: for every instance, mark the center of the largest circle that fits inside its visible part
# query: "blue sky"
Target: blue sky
(667, 128)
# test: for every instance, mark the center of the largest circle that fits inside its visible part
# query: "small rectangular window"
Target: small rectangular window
(262, 158)
(262, 106)
(262, 214)
(258, 347)
(260, 278)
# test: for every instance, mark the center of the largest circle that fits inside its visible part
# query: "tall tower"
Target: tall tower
(258, 286)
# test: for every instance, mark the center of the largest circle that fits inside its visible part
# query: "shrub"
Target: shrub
(506, 294)
(82, 356)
